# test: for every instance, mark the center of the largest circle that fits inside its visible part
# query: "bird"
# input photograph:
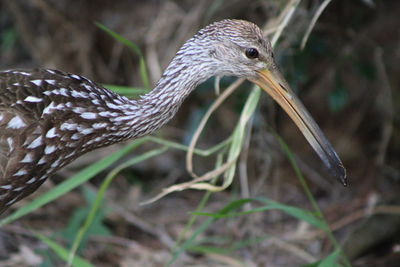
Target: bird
(49, 118)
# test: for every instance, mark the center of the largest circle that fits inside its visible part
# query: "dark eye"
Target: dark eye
(251, 53)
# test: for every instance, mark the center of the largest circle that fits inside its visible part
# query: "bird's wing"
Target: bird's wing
(19, 128)
(46, 121)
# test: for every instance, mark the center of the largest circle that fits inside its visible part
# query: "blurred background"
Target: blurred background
(346, 75)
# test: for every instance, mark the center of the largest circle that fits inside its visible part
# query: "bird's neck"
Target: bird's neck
(156, 108)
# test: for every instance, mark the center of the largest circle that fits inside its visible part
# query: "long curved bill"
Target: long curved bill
(272, 82)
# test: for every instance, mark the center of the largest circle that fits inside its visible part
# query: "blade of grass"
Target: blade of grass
(226, 93)
(199, 152)
(142, 65)
(330, 260)
(271, 205)
(239, 133)
(284, 18)
(100, 195)
(125, 90)
(71, 183)
(208, 250)
(313, 21)
(310, 197)
(204, 226)
(200, 207)
(62, 252)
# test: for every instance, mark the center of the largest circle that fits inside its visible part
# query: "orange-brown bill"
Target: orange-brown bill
(272, 82)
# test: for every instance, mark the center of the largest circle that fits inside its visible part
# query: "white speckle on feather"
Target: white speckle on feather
(18, 188)
(96, 102)
(111, 105)
(88, 87)
(76, 136)
(79, 94)
(27, 158)
(68, 126)
(99, 125)
(10, 142)
(32, 180)
(49, 108)
(89, 115)
(49, 149)
(20, 172)
(22, 73)
(52, 82)
(16, 123)
(87, 131)
(35, 143)
(42, 161)
(79, 110)
(51, 133)
(6, 187)
(33, 99)
(11, 201)
(37, 82)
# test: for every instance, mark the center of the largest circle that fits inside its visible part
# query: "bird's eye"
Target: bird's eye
(251, 53)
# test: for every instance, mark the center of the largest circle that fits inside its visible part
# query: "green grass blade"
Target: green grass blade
(270, 205)
(100, 195)
(314, 204)
(71, 183)
(125, 90)
(208, 250)
(204, 226)
(298, 213)
(331, 260)
(193, 217)
(62, 252)
(239, 133)
(142, 65)
(199, 152)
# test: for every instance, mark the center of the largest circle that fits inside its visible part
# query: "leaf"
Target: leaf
(62, 252)
(92, 214)
(204, 226)
(330, 261)
(295, 212)
(96, 227)
(125, 90)
(271, 205)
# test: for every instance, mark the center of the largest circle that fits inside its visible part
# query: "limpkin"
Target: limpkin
(48, 118)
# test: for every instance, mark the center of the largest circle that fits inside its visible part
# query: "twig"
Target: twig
(244, 179)
(313, 21)
(196, 135)
(285, 17)
(386, 94)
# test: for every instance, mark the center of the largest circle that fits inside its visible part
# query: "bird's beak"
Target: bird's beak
(272, 82)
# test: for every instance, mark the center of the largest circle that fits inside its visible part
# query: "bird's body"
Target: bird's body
(48, 118)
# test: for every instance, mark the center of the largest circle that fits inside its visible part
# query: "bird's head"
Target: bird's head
(236, 48)
(239, 48)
